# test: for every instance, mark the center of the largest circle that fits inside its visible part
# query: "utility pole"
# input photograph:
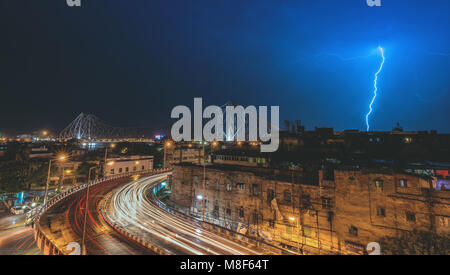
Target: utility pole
(47, 182)
(166, 145)
(83, 246)
(204, 180)
(61, 158)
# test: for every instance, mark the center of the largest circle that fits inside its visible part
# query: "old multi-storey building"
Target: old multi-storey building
(313, 209)
(180, 152)
(114, 166)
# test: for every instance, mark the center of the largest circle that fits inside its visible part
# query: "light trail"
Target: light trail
(375, 87)
(131, 208)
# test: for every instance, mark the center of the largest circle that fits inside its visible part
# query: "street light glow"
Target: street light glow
(62, 157)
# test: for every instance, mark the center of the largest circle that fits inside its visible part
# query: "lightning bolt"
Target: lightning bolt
(381, 50)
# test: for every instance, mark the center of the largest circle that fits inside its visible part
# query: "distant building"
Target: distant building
(245, 158)
(40, 152)
(183, 152)
(117, 166)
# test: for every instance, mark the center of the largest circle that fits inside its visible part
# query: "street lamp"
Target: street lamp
(83, 247)
(61, 157)
(200, 198)
(112, 146)
(167, 144)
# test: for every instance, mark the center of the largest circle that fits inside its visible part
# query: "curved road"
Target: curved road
(65, 223)
(132, 208)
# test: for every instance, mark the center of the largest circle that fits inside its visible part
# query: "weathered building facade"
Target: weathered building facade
(313, 210)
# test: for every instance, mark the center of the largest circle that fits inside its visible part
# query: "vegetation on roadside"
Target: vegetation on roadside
(416, 243)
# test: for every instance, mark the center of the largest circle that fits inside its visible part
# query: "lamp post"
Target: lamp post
(112, 146)
(83, 247)
(298, 233)
(60, 158)
(167, 144)
(204, 181)
(200, 198)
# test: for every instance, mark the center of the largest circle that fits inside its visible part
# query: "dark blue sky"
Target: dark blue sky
(131, 61)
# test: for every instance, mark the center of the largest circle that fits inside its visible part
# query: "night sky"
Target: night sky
(131, 61)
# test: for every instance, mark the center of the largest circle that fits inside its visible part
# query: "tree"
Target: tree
(83, 169)
(38, 177)
(12, 177)
(416, 243)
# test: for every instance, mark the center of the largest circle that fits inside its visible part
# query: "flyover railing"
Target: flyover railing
(220, 230)
(44, 242)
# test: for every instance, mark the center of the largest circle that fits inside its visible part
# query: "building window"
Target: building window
(287, 196)
(216, 209)
(134, 168)
(240, 185)
(256, 189)
(305, 201)
(241, 212)
(126, 169)
(195, 179)
(306, 231)
(271, 223)
(379, 185)
(326, 202)
(444, 221)
(410, 216)
(120, 170)
(381, 211)
(255, 217)
(143, 167)
(228, 209)
(328, 173)
(270, 195)
(112, 171)
(217, 185)
(288, 229)
(353, 230)
(402, 183)
(229, 187)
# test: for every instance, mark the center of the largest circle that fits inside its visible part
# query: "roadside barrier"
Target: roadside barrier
(219, 230)
(44, 242)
